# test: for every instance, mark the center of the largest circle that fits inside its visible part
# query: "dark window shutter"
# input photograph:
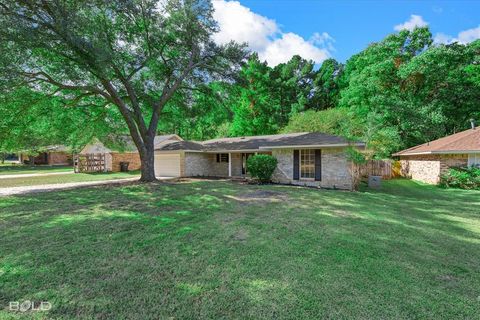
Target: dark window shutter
(296, 165)
(318, 165)
(218, 157)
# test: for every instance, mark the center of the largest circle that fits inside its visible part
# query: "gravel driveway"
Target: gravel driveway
(28, 175)
(59, 186)
(64, 186)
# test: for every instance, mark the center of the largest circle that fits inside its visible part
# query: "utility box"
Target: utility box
(374, 182)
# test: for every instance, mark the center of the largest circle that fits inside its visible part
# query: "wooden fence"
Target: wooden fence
(381, 168)
(91, 162)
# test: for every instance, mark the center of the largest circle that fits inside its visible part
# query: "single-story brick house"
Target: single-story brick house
(125, 151)
(57, 155)
(313, 159)
(426, 162)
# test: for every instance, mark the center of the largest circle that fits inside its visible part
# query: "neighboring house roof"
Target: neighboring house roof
(276, 141)
(58, 148)
(52, 148)
(467, 141)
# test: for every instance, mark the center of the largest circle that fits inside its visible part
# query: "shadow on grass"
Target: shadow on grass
(191, 250)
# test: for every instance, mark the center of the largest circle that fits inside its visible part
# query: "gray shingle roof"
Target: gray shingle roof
(182, 145)
(261, 142)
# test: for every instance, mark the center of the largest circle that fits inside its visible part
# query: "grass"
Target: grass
(9, 168)
(8, 163)
(65, 178)
(223, 250)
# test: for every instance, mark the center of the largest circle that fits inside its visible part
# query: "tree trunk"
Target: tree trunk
(32, 160)
(148, 163)
(4, 155)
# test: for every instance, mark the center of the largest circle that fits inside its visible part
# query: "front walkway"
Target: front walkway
(64, 186)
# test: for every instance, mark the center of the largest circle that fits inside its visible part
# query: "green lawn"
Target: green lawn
(8, 168)
(65, 178)
(224, 250)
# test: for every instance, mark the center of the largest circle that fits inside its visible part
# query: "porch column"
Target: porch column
(229, 164)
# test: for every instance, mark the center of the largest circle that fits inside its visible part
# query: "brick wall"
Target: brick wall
(205, 164)
(132, 158)
(428, 168)
(59, 158)
(452, 160)
(236, 164)
(196, 164)
(336, 169)
(217, 169)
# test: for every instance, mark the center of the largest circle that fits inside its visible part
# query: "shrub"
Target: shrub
(261, 167)
(463, 178)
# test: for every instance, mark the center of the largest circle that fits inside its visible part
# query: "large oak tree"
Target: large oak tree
(131, 54)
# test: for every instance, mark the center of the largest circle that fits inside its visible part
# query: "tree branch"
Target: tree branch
(44, 77)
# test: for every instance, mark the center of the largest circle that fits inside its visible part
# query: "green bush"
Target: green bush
(261, 167)
(463, 178)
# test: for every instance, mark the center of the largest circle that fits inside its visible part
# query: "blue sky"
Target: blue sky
(339, 28)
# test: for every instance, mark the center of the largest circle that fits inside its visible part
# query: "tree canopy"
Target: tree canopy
(147, 67)
(135, 55)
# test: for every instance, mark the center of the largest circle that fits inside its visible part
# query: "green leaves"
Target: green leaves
(408, 91)
(32, 121)
(261, 166)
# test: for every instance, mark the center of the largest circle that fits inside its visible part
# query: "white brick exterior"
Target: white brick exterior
(428, 168)
(336, 169)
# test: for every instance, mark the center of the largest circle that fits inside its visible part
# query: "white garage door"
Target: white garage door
(167, 165)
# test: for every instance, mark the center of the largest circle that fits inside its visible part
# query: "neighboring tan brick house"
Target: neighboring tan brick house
(312, 159)
(426, 162)
(123, 150)
(57, 155)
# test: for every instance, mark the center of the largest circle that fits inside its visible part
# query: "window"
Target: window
(474, 160)
(307, 164)
(222, 157)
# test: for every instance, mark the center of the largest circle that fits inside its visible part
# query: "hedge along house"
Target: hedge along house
(426, 162)
(312, 159)
(123, 149)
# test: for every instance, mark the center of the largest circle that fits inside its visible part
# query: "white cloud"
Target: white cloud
(469, 35)
(442, 38)
(239, 23)
(282, 49)
(463, 37)
(412, 23)
(242, 25)
(323, 39)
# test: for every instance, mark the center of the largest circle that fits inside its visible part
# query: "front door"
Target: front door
(245, 156)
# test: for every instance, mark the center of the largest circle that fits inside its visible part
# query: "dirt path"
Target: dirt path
(27, 175)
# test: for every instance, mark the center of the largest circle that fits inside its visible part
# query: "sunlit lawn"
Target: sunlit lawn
(13, 168)
(64, 178)
(223, 250)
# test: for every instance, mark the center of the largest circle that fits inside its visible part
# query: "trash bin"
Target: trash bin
(124, 166)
